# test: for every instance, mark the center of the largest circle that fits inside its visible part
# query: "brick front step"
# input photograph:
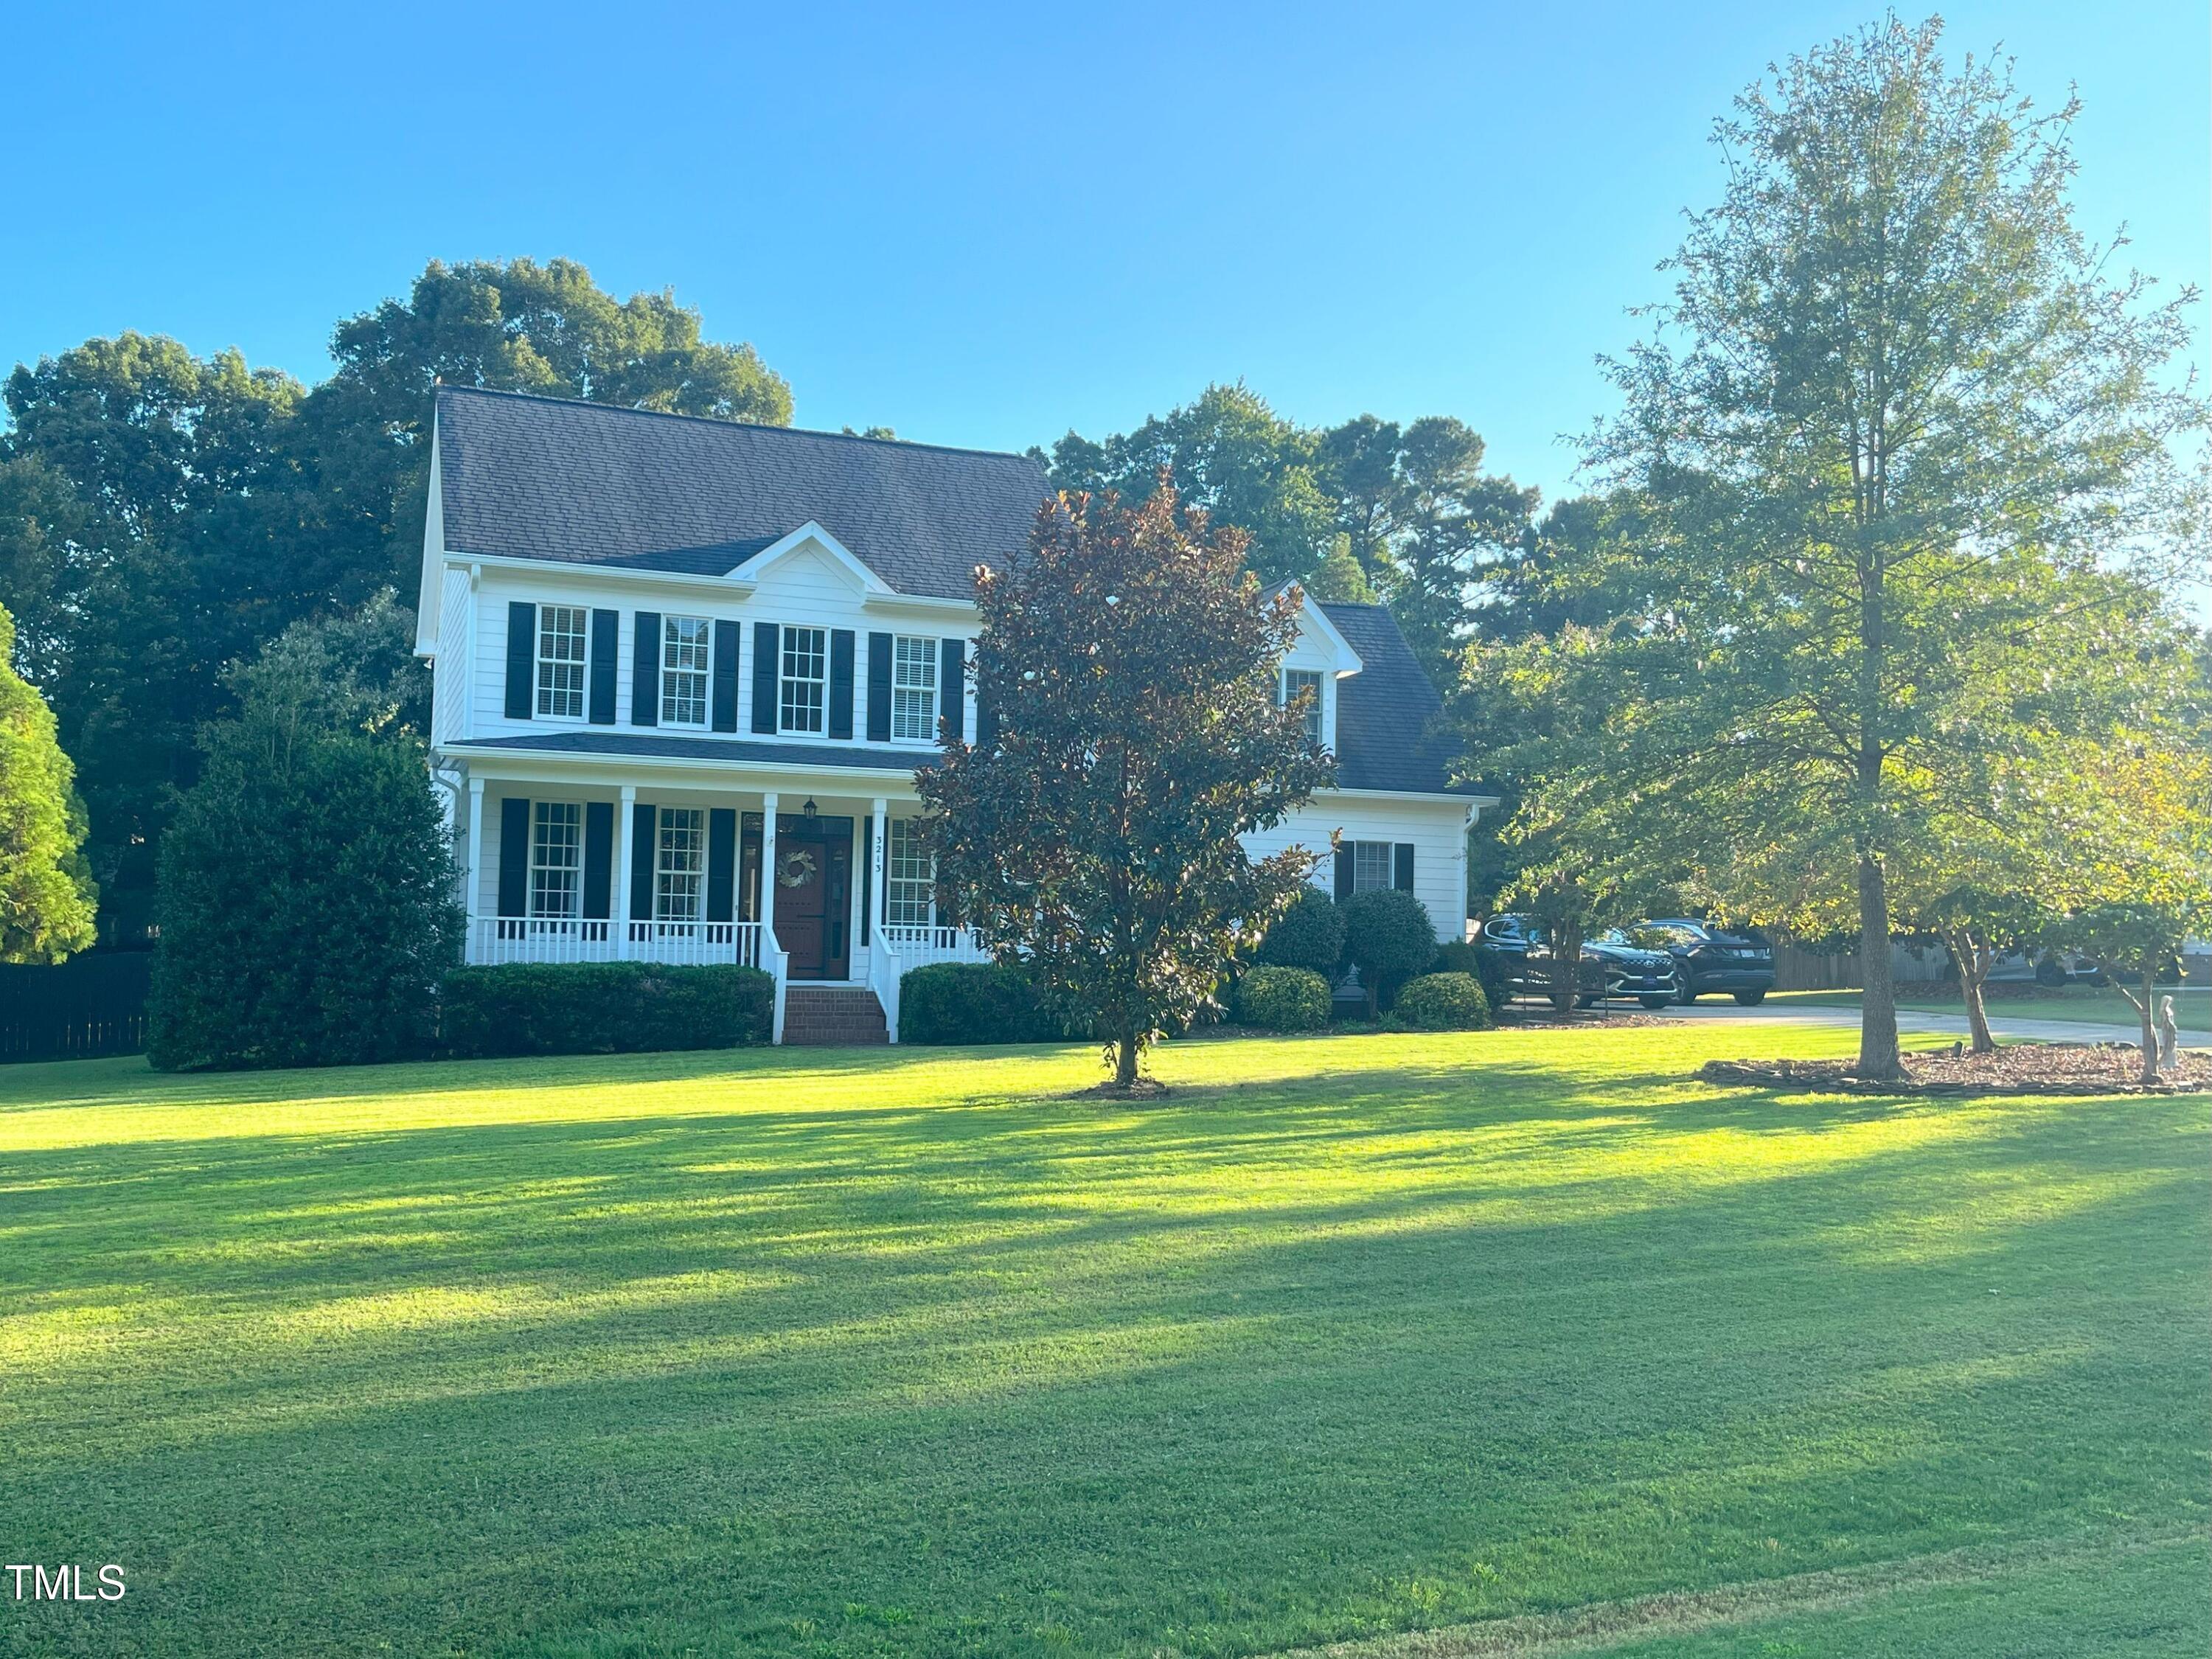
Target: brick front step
(828, 1018)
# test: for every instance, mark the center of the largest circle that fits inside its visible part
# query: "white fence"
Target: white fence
(495, 939)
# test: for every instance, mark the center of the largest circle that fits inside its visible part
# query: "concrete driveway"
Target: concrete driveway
(1919, 1020)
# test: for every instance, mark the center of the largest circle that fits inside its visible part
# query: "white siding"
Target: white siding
(448, 704)
(1437, 830)
(804, 590)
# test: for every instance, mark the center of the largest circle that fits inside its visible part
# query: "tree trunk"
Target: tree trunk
(1566, 969)
(2143, 1012)
(1973, 975)
(1878, 997)
(1125, 1057)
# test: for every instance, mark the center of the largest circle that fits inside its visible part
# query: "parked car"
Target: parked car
(1612, 966)
(2049, 968)
(1708, 959)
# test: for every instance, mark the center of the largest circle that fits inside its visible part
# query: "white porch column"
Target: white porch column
(768, 863)
(473, 876)
(876, 868)
(624, 816)
(772, 956)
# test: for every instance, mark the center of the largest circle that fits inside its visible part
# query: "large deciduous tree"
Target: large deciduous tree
(1366, 510)
(1129, 660)
(151, 524)
(1229, 454)
(1433, 532)
(513, 326)
(163, 514)
(46, 893)
(1898, 426)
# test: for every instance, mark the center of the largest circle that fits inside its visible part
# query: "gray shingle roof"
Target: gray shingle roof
(592, 483)
(531, 477)
(1387, 732)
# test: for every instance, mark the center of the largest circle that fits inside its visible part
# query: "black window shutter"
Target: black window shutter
(641, 862)
(1401, 866)
(514, 856)
(598, 859)
(987, 718)
(1344, 869)
(867, 869)
(726, 676)
(603, 648)
(765, 667)
(645, 670)
(721, 860)
(840, 682)
(522, 657)
(952, 692)
(879, 689)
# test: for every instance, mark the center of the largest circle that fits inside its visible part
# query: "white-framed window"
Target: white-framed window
(679, 864)
(556, 859)
(1296, 680)
(913, 687)
(804, 689)
(909, 876)
(686, 647)
(1372, 865)
(560, 633)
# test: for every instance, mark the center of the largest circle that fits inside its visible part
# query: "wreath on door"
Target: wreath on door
(795, 868)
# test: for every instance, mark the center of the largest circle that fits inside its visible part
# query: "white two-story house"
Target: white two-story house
(685, 670)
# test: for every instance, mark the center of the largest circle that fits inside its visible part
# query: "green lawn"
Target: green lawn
(889, 1352)
(2192, 1004)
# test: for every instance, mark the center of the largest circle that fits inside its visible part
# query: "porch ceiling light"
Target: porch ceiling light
(809, 809)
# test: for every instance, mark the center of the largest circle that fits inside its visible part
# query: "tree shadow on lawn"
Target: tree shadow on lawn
(1308, 1425)
(308, 1189)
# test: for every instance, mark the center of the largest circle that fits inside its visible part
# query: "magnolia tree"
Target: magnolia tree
(1126, 668)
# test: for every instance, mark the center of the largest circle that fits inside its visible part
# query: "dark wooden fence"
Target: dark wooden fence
(95, 1004)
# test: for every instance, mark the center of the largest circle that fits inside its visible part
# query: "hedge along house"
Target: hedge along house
(685, 671)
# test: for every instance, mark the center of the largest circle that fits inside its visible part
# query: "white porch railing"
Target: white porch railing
(777, 961)
(897, 950)
(495, 939)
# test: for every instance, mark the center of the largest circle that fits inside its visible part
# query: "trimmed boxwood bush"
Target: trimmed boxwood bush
(964, 1002)
(1309, 935)
(1444, 1002)
(1389, 938)
(1459, 956)
(1282, 999)
(602, 1008)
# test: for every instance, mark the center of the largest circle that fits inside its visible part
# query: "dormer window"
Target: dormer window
(560, 635)
(686, 646)
(1300, 682)
(914, 688)
(803, 689)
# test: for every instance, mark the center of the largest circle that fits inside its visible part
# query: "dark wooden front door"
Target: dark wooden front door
(813, 885)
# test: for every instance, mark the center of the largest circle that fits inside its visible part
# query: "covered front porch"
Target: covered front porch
(805, 877)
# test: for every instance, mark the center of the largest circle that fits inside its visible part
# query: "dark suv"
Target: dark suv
(1708, 959)
(1611, 965)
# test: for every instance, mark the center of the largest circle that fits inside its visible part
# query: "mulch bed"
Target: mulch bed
(1551, 1020)
(1144, 1088)
(2016, 1068)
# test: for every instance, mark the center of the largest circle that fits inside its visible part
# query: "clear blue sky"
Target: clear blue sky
(984, 226)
